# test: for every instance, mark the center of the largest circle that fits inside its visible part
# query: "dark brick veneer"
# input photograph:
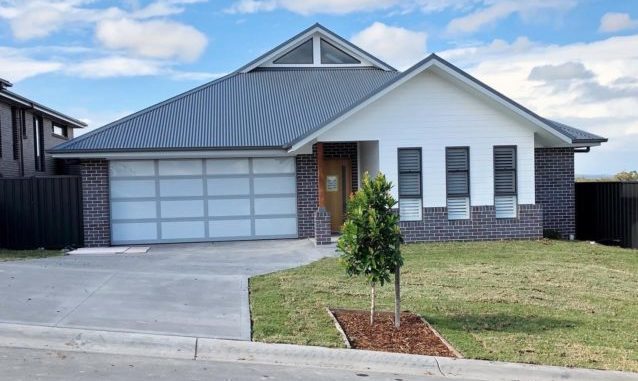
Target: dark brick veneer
(554, 170)
(483, 225)
(307, 182)
(95, 195)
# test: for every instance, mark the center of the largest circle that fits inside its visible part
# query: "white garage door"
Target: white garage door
(202, 200)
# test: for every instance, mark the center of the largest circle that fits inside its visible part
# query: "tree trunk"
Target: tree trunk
(397, 297)
(372, 307)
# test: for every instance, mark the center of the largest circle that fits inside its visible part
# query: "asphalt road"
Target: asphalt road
(34, 364)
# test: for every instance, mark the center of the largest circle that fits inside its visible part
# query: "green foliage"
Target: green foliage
(627, 176)
(371, 238)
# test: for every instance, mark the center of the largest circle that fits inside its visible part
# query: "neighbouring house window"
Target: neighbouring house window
(302, 54)
(332, 55)
(15, 132)
(410, 184)
(457, 161)
(0, 135)
(38, 143)
(60, 130)
(505, 191)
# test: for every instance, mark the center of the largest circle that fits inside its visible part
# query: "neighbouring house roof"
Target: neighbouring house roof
(14, 98)
(272, 108)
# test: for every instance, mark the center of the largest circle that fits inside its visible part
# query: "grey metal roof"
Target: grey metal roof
(264, 108)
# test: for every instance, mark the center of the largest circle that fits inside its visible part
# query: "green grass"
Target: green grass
(543, 302)
(13, 255)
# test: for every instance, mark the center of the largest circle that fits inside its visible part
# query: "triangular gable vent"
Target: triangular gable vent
(316, 47)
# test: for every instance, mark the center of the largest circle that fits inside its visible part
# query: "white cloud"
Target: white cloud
(114, 67)
(307, 7)
(602, 96)
(398, 46)
(156, 39)
(501, 9)
(615, 22)
(16, 66)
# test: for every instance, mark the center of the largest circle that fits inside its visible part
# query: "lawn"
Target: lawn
(12, 255)
(543, 302)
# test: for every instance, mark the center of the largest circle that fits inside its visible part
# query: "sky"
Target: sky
(574, 61)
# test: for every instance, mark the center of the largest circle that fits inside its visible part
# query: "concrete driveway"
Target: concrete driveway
(179, 289)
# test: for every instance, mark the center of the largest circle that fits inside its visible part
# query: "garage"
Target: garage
(191, 200)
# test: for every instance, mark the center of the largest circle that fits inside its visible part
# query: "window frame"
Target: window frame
(312, 56)
(515, 170)
(38, 143)
(15, 132)
(64, 128)
(420, 172)
(467, 171)
(324, 41)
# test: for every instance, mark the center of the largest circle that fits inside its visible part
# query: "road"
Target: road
(35, 364)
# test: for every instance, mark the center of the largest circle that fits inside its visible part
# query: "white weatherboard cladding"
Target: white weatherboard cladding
(202, 199)
(433, 113)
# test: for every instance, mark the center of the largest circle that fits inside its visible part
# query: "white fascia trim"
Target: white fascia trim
(173, 154)
(284, 49)
(411, 75)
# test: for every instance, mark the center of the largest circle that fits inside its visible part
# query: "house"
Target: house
(27, 130)
(273, 150)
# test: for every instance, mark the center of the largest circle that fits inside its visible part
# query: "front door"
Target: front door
(337, 185)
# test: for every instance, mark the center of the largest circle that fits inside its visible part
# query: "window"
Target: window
(335, 56)
(302, 54)
(457, 161)
(410, 184)
(38, 144)
(505, 181)
(15, 132)
(60, 130)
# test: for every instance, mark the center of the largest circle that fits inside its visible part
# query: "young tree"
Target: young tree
(370, 240)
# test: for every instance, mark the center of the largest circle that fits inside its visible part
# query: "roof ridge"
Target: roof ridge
(143, 111)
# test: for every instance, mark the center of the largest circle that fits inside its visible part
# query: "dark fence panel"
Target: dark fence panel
(41, 212)
(607, 212)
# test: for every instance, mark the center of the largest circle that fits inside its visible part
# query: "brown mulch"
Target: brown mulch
(413, 337)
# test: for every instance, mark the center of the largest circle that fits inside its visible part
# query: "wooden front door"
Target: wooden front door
(337, 185)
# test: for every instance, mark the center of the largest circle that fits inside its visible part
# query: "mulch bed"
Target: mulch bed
(414, 336)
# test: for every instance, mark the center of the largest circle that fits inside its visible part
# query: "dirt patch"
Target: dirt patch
(415, 336)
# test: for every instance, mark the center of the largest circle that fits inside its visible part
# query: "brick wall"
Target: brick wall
(10, 167)
(554, 170)
(307, 183)
(95, 200)
(483, 225)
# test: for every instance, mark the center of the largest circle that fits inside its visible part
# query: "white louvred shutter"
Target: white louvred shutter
(458, 208)
(410, 209)
(505, 206)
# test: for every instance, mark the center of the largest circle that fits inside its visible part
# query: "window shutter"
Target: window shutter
(458, 208)
(410, 200)
(505, 200)
(410, 209)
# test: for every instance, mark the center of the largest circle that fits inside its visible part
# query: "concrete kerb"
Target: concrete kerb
(83, 340)
(180, 347)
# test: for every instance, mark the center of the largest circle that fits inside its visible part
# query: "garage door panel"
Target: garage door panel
(273, 165)
(182, 208)
(229, 186)
(275, 205)
(134, 231)
(229, 207)
(132, 168)
(275, 185)
(202, 199)
(227, 166)
(181, 187)
(131, 210)
(132, 188)
(183, 230)
(180, 167)
(230, 228)
(276, 226)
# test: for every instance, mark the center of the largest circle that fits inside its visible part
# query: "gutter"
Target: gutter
(30, 105)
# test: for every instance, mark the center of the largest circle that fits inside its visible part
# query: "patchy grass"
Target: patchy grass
(13, 255)
(543, 302)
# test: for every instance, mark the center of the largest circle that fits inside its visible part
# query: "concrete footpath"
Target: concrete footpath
(227, 351)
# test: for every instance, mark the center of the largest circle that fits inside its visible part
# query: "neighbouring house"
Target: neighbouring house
(27, 130)
(273, 150)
